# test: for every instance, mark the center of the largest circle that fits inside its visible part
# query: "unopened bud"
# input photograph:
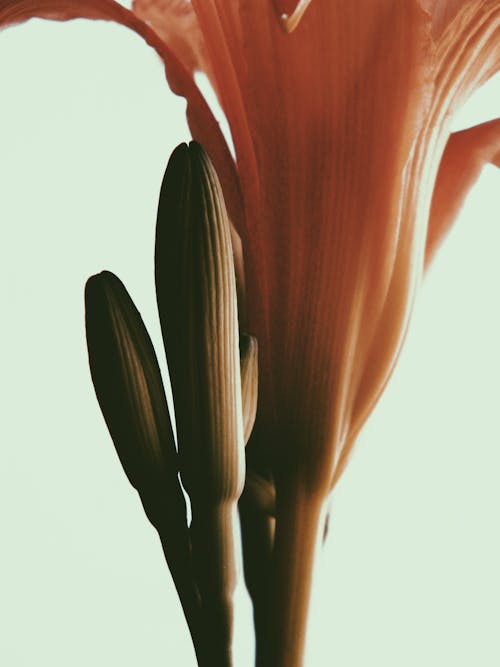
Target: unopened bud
(196, 294)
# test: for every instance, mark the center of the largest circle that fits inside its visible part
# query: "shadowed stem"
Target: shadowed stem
(298, 526)
(214, 531)
(190, 601)
(257, 536)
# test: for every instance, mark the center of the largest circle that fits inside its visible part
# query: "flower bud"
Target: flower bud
(129, 389)
(196, 293)
(128, 382)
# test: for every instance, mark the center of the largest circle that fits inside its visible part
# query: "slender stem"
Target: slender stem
(298, 521)
(183, 577)
(257, 533)
(217, 562)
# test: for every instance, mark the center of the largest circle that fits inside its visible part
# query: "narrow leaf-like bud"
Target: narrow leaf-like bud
(127, 381)
(196, 294)
(130, 391)
(249, 382)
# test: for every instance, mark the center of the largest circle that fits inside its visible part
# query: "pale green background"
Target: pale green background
(410, 574)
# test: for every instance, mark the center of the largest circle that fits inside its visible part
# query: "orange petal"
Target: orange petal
(442, 13)
(467, 53)
(465, 155)
(175, 22)
(17, 11)
(203, 125)
(321, 178)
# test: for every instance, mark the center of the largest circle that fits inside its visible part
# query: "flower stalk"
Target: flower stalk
(299, 522)
(196, 293)
(130, 392)
(257, 510)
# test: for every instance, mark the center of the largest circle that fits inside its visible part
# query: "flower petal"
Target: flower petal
(321, 181)
(17, 11)
(203, 125)
(467, 55)
(465, 155)
(175, 22)
(442, 13)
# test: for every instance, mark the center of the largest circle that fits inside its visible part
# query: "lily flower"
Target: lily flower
(345, 178)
